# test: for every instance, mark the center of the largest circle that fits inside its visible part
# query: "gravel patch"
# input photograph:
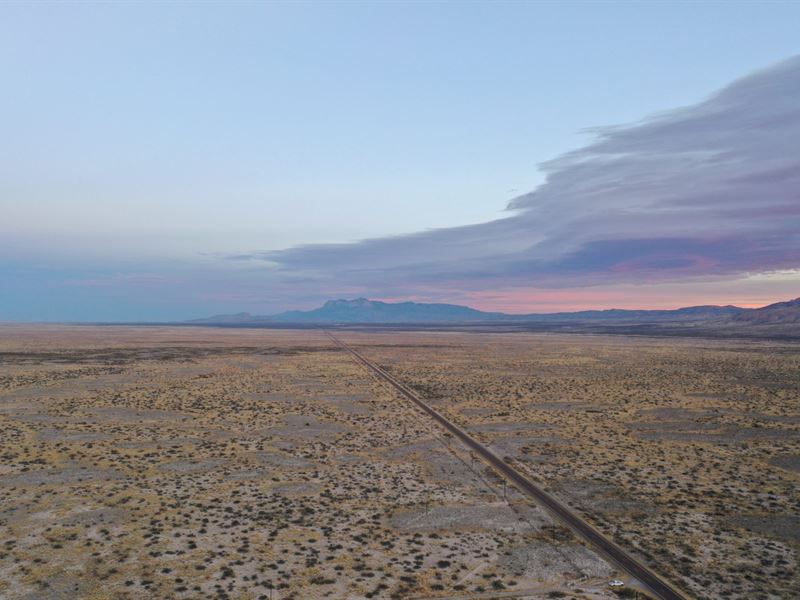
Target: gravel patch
(64, 476)
(424, 447)
(509, 427)
(675, 414)
(480, 412)
(192, 466)
(34, 418)
(729, 435)
(495, 517)
(351, 405)
(129, 415)
(273, 397)
(93, 517)
(790, 462)
(512, 445)
(279, 459)
(443, 467)
(59, 587)
(674, 426)
(542, 560)
(351, 459)
(783, 527)
(557, 406)
(302, 427)
(686, 415)
(300, 488)
(54, 434)
(600, 497)
(248, 474)
(158, 442)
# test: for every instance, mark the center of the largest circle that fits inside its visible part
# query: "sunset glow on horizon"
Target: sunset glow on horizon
(170, 161)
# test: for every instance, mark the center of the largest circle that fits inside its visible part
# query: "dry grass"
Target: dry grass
(192, 462)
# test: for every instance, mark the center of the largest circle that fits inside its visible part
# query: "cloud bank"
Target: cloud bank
(701, 192)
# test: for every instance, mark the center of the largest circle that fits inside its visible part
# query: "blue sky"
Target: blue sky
(170, 160)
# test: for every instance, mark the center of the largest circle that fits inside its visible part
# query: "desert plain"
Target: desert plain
(199, 462)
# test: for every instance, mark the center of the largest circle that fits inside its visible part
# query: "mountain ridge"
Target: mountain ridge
(366, 311)
(777, 313)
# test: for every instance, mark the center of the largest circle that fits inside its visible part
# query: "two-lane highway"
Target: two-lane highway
(656, 585)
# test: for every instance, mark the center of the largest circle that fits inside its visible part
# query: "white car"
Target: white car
(616, 583)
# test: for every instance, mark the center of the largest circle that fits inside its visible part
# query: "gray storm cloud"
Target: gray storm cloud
(709, 190)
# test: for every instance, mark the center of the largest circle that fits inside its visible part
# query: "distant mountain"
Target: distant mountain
(689, 313)
(362, 310)
(773, 314)
(242, 317)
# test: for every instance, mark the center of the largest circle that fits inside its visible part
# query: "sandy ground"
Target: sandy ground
(157, 462)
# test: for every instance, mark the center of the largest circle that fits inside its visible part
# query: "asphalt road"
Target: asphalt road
(657, 586)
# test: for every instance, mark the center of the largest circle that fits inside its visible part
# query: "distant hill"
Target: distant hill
(242, 317)
(689, 313)
(362, 310)
(773, 314)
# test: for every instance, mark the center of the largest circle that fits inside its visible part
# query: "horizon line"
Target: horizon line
(185, 321)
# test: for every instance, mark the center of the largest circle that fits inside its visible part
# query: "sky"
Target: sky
(165, 161)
